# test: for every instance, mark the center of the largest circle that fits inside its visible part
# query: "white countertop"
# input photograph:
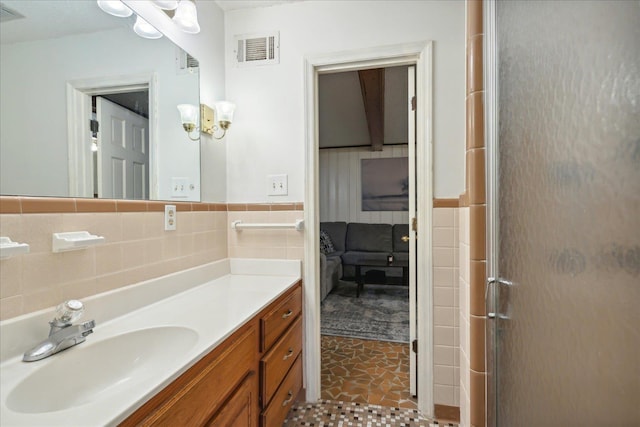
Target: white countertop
(214, 309)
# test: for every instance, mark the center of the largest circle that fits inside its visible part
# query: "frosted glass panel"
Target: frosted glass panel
(569, 213)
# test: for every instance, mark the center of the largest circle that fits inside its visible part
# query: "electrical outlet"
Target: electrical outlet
(277, 185)
(170, 217)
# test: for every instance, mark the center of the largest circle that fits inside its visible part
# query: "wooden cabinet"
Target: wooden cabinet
(240, 410)
(251, 378)
(281, 362)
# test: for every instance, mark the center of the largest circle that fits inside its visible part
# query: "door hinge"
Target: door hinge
(413, 103)
(414, 224)
(414, 346)
(94, 125)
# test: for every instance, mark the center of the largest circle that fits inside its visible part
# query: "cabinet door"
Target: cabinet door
(240, 410)
(194, 403)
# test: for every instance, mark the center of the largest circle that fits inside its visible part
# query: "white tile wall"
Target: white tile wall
(445, 310)
(137, 248)
(464, 280)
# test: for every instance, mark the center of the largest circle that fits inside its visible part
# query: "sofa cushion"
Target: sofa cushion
(337, 232)
(365, 258)
(400, 230)
(369, 238)
(326, 245)
(330, 273)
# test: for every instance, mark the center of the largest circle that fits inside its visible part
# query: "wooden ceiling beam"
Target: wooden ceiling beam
(372, 87)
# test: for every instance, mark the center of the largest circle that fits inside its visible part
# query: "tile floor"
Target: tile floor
(336, 413)
(364, 383)
(366, 371)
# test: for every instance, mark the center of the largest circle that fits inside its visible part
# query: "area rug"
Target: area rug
(381, 313)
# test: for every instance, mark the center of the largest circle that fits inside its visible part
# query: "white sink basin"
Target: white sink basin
(89, 371)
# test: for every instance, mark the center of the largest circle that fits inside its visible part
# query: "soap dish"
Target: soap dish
(75, 240)
(9, 248)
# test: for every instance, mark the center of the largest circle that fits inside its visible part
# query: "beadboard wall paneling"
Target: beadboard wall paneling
(340, 185)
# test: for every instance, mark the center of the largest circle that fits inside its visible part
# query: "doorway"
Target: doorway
(120, 144)
(367, 260)
(141, 181)
(420, 55)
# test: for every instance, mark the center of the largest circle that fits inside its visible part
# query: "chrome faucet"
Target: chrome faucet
(63, 334)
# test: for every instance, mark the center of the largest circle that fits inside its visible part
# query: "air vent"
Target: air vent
(185, 63)
(7, 14)
(257, 49)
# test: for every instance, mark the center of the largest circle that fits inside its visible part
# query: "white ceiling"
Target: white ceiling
(54, 18)
(58, 18)
(248, 4)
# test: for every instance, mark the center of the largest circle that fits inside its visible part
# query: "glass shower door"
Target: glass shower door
(564, 208)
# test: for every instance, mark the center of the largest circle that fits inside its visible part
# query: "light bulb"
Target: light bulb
(188, 114)
(115, 8)
(186, 17)
(225, 111)
(146, 30)
(166, 4)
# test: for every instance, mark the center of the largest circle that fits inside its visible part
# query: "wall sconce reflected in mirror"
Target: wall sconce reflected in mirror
(189, 118)
(146, 30)
(115, 8)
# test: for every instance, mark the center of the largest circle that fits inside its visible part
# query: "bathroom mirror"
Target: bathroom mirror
(66, 65)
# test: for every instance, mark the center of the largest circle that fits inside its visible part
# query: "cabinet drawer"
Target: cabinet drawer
(198, 400)
(284, 397)
(274, 323)
(277, 362)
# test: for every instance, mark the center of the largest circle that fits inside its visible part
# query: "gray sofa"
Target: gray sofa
(359, 243)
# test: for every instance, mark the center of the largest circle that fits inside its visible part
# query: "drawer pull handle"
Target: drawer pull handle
(289, 354)
(287, 314)
(289, 398)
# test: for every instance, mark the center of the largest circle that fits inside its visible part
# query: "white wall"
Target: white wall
(208, 48)
(268, 134)
(340, 185)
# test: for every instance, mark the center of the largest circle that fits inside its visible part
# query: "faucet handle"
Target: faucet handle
(69, 311)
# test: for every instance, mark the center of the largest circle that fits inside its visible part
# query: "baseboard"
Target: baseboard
(302, 395)
(447, 413)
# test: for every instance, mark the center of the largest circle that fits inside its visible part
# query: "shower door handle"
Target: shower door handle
(492, 298)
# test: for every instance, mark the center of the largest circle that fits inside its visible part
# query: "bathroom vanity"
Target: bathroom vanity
(222, 388)
(219, 344)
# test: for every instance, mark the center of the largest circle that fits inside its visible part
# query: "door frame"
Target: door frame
(490, 71)
(79, 94)
(420, 55)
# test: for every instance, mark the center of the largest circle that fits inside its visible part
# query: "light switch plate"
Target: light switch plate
(170, 217)
(179, 187)
(277, 185)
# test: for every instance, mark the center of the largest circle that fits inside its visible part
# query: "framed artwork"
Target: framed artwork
(385, 184)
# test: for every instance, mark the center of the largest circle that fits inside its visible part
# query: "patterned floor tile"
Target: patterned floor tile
(366, 371)
(364, 383)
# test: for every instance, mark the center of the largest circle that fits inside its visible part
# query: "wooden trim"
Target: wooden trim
(463, 201)
(46, 205)
(10, 205)
(372, 88)
(446, 413)
(43, 205)
(95, 205)
(446, 203)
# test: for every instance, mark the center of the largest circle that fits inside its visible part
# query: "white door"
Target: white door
(123, 152)
(411, 75)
